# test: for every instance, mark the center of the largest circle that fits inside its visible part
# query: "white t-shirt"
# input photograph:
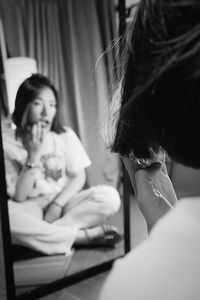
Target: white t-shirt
(164, 267)
(63, 155)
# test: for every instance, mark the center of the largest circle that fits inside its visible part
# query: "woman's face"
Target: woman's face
(42, 109)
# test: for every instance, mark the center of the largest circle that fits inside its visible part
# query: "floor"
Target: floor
(89, 289)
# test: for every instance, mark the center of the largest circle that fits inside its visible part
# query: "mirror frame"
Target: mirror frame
(64, 282)
(5, 230)
(38, 292)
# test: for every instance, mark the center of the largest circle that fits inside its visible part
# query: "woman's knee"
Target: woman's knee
(108, 197)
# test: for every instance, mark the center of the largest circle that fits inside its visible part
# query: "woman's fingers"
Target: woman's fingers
(34, 132)
(133, 168)
(33, 139)
(42, 134)
(153, 189)
(151, 201)
(37, 133)
(145, 179)
(153, 181)
(39, 129)
(151, 171)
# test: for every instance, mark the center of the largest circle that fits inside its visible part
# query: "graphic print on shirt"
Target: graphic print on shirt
(53, 165)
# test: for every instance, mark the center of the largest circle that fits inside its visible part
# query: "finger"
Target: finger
(161, 197)
(39, 130)
(42, 134)
(28, 129)
(34, 132)
(149, 173)
(144, 179)
(161, 157)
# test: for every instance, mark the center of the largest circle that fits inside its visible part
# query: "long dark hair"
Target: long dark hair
(27, 92)
(160, 85)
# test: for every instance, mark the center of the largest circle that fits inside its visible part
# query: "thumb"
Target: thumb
(149, 173)
(154, 168)
(145, 178)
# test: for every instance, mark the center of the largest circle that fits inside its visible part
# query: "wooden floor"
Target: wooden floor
(89, 289)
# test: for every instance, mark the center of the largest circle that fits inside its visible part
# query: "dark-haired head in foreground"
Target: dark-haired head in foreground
(160, 86)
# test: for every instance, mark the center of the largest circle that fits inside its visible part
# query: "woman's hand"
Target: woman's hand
(33, 141)
(53, 212)
(155, 194)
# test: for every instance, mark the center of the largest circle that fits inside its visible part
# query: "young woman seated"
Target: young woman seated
(49, 210)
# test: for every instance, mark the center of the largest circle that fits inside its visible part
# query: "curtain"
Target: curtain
(67, 37)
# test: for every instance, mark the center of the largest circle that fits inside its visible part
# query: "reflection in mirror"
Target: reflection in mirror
(49, 165)
(34, 268)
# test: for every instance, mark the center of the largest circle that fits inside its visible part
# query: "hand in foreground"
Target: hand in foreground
(155, 193)
(52, 213)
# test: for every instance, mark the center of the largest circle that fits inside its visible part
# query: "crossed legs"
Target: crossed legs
(89, 208)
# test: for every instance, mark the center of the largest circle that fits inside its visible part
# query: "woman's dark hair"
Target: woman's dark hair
(160, 85)
(26, 93)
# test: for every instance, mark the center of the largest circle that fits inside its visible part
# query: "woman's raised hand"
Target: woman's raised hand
(33, 140)
(155, 194)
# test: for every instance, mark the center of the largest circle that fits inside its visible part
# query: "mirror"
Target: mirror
(36, 274)
(70, 64)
